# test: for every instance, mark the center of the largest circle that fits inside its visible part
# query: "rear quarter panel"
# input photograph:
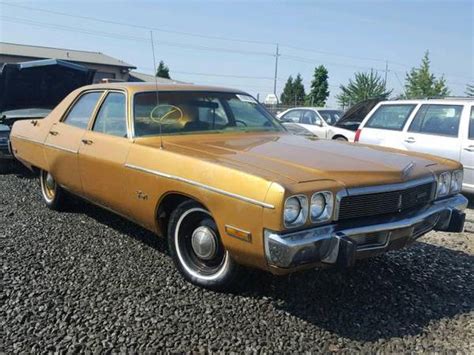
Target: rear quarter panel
(27, 139)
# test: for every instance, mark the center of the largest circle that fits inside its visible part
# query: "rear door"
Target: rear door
(64, 139)
(385, 126)
(103, 152)
(435, 130)
(467, 152)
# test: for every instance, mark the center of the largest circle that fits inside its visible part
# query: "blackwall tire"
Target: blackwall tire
(197, 251)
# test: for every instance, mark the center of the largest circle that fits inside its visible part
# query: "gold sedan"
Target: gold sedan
(212, 171)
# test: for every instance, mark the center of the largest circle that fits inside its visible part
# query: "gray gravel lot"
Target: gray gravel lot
(89, 280)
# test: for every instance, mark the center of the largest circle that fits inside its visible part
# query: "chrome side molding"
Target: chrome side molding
(201, 185)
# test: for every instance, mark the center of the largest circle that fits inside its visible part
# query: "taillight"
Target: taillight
(357, 135)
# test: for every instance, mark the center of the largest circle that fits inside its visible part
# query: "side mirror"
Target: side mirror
(318, 122)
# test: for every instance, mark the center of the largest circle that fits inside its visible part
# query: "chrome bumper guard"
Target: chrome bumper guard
(342, 243)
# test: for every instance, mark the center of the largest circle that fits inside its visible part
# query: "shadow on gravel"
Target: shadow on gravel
(15, 168)
(117, 223)
(395, 295)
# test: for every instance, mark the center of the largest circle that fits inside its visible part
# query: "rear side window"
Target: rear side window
(80, 113)
(111, 118)
(392, 117)
(471, 124)
(439, 120)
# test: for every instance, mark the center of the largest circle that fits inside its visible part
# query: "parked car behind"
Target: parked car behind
(218, 176)
(30, 90)
(328, 123)
(314, 119)
(442, 127)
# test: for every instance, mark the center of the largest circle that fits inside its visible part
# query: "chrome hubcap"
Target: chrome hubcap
(204, 243)
(50, 182)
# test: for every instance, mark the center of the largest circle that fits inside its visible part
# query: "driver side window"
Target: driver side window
(112, 118)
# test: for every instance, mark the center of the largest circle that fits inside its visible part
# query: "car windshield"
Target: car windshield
(188, 112)
(330, 116)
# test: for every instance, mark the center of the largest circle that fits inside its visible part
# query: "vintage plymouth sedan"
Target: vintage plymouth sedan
(213, 172)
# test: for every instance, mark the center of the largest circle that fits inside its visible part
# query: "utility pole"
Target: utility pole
(386, 72)
(277, 54)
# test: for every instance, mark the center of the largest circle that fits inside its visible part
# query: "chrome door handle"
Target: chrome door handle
(469, 148)
(87, 141)
(410, 140)
(54, 133)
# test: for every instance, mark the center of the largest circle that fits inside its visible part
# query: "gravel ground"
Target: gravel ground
(89, 280)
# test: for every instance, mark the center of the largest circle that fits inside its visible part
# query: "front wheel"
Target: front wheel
(53, 194)
(342, 139)
(197, 250)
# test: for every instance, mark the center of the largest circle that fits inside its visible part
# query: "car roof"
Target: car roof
(460, 100)
(151, 86)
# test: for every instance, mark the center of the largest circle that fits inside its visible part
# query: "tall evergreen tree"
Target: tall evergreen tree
(163, 71)
(298, 91)
(287, 95)
(420, 82)
(319, 87)
(364, 86)
(470, 90)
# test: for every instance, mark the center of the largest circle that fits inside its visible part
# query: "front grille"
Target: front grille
(385, 202)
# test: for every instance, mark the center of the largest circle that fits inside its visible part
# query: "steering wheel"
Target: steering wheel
(245, 124)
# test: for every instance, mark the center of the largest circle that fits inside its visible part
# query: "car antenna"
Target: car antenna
(156, 85)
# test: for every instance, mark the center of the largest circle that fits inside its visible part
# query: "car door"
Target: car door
(467, 152)
(314, 123)
(64, 139)
(103, 151)
(385, 126)
(435, 130)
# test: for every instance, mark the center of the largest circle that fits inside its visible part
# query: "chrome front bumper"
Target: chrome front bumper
(342, 243)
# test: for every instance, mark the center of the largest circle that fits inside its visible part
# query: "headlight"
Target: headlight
(444, 184)
(321, 206)
(456, 181)
(296, 211)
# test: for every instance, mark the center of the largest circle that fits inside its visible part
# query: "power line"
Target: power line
(131, 38)
(222, 38)
(157, 29)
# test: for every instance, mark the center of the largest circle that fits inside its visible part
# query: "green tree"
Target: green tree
(163, 71)
(470, 90)
(420, 82)
(319, 87)
(288, 92)
(364, 86)
(298, 91)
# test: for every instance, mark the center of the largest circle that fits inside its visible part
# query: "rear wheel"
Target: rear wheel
(197, 250)
(53, 195)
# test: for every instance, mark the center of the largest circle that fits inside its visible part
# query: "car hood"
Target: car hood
(357, 113)
(40, 83)
(298, 159)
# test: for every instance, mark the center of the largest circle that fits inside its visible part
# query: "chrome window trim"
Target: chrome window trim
(203, 186)
(366, 190)
(100, 102)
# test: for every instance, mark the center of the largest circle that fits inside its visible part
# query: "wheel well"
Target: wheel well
(339, 136)
(166, 206)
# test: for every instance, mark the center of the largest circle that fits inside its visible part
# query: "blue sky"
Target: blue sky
(346, 36)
